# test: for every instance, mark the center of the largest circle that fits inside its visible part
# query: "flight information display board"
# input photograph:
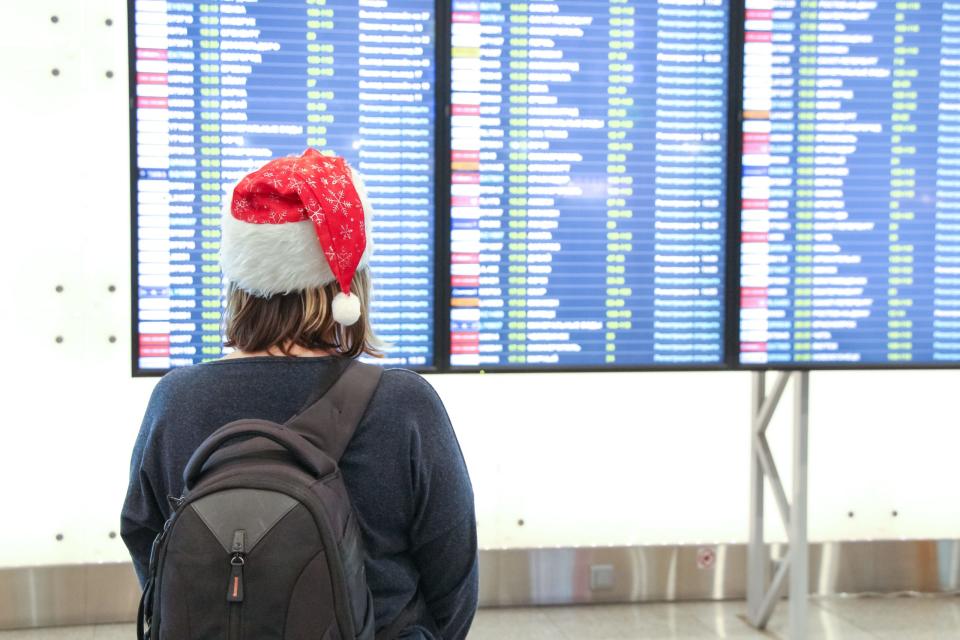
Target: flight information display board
(588, 154)
(220, 87)
(851, 184)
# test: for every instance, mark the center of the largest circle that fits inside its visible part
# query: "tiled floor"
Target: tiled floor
(830, 619)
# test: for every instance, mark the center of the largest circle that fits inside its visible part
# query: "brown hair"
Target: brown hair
(300, 319)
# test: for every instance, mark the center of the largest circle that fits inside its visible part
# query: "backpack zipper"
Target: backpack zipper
(235, 586)
(296, 490)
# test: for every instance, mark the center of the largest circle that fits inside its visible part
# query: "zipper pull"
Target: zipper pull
(235, 588)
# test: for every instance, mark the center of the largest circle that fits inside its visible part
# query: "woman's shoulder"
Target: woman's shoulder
(407, 397)
(181, 379)
(405, 388)
(188, 379)
(182, 387)
(405, 380)
(402, 396)
(395, 384)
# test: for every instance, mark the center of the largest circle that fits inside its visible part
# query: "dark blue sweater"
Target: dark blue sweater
(404, 471)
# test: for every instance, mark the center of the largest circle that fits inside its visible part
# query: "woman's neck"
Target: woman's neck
(292, 350)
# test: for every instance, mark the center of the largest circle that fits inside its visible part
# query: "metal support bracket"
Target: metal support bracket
(763, 594)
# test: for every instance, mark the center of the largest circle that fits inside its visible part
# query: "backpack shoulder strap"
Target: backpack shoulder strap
(329, 423)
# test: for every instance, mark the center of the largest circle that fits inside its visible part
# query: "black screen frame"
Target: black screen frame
(441, 191)
(733, 349)
(441, 268)
(137, 372)
(731, 242)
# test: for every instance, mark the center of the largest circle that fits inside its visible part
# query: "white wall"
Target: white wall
(582, 459)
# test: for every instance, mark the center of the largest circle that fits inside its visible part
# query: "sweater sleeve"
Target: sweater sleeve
(450, 576)
(444, 528)
(142, 518)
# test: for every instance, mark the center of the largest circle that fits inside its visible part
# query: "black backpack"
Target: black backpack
(264, 542)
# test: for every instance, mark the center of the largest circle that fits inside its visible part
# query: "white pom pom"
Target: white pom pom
(346, 308)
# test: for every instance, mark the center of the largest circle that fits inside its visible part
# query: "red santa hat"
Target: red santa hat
(298, 223)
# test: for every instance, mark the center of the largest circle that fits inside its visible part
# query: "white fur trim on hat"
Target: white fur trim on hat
(270, 259)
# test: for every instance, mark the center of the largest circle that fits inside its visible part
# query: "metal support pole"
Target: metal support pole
(762, 593)
(758, 561)
(799, 548)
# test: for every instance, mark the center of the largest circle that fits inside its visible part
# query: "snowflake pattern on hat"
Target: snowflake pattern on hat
(310, 187)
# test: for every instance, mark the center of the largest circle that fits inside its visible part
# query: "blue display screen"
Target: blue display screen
(222, 87)
(851, 184)
(587, 183)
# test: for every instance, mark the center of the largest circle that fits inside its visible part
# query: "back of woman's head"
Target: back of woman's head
(281, 322)
(295, 248)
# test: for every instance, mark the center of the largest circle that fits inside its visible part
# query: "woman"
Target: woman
(298, 229)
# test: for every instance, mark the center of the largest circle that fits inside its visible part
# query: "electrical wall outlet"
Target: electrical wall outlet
(601, 577)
